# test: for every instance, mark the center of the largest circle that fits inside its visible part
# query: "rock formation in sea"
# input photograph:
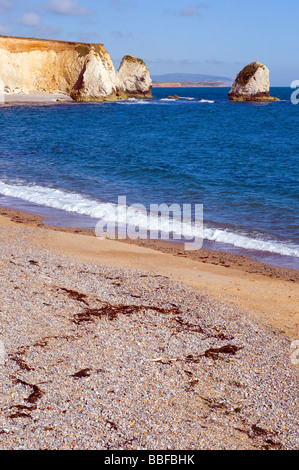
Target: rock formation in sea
(134, 77)
(83, 71)
(252, 84)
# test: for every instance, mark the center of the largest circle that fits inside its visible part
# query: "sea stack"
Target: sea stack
(134, 77)
(84, 72)
(252, 84)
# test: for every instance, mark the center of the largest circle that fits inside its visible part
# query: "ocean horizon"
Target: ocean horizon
(69, 162)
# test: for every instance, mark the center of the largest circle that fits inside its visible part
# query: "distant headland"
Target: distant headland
(184, 80)
(188, 84)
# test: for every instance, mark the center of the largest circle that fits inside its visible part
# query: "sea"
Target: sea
(72, 163)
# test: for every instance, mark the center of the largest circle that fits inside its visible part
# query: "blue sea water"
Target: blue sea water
(240, 160)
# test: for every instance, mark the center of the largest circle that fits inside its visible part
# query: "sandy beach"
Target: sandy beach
(32, 98)
(121, 345)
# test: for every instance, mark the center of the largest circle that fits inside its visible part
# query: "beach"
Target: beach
(142, 345)
(149, 235)
(32, 98)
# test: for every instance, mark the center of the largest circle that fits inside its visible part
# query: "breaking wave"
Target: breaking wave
(88, 206)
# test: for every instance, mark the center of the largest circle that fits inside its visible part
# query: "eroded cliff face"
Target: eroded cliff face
(83, 71)
(252, 84)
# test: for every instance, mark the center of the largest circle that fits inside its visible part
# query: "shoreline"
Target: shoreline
(210, 256)
(40, 99)
(268, 293)
(113, 346)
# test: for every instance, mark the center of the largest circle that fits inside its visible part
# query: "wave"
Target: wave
(133, 101)
(110, 213)
(248, 242)
(182, 98)
(53, 198)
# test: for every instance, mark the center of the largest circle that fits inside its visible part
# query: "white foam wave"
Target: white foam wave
(84, 205)
(130, 101)
(179, 98)
(244, 241)
(186, 98)
(50, 197)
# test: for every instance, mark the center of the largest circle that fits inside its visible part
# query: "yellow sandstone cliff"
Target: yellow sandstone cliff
(83, 71)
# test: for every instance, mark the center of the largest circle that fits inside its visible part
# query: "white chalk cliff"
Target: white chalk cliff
(133, 77)
(85, 72)
(252, 84)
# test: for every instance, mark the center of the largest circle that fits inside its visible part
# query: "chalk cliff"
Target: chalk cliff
(134, 77)
(252, 84)
(83, 71)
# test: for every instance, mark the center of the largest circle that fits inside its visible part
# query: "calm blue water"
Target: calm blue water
(239, 160)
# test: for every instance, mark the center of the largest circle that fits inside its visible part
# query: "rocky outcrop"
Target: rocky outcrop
(134, 78)
(97, 80)
(252, 84)
(85, 72)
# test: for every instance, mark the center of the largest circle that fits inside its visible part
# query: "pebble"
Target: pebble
(112, 358)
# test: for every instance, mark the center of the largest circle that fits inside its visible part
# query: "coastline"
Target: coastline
(268, 293)
(190, 85)
(110, 345)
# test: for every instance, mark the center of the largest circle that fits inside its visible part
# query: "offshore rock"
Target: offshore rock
(83, 71)
(252, 84)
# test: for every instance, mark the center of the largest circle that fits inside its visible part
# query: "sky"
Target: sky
(215, 37)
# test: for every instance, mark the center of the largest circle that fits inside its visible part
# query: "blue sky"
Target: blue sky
(215, 37)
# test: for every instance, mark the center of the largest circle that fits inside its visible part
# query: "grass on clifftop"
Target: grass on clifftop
(83, 50)
(130, 58)
(245, 75)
